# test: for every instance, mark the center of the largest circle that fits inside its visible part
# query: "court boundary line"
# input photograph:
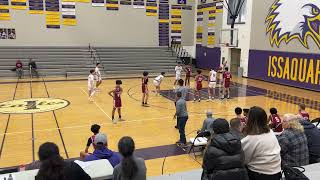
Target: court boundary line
(55, 117)
(8, 121)
(96, 104)
(32, 121)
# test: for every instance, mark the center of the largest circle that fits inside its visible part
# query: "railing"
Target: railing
(94, 55)
(177, 50)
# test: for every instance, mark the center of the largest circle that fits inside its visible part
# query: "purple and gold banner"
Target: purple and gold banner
(151, 8)
(19, 4)
(36, 6)
(164, 27)
(125, 2)
(292, 69)
(112, 5)
(4, 10)
(52, 14)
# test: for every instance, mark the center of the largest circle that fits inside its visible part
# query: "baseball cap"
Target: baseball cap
(100, 139)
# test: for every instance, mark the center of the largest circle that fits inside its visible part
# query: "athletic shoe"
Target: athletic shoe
(199, 100)
(114, 121)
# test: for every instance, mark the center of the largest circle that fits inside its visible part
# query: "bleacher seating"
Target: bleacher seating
(76, 61)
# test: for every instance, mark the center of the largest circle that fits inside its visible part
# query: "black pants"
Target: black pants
(182, 121)
(258, 176)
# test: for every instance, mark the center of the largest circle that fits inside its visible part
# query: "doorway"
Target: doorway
(235, 60)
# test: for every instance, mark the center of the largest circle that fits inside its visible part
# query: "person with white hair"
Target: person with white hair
(293, 142)
(207, 123)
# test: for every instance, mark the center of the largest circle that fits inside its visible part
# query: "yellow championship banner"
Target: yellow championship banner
(83, 1)
(19, 4)
(69, 22)
(4, 10)
(68, 13)
(53, 14)
(112, 5)
(36, 7)
(151, 8)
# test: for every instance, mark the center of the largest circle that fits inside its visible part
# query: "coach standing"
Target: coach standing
(182, 116)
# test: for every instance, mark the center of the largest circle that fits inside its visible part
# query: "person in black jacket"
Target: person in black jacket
(313, 138)
(224, 158)
(53, 167)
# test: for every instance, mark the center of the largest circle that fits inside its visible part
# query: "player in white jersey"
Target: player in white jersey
(212, 82)
(98, 75)
(157, 82)
(178, 70)
(91, 90)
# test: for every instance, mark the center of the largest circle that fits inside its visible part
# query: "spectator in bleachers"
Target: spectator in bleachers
(53, 167)
(293, 142)
(95, 128)
(207, 123)
(130, 167)
(33, 68)
(261, 147)
(303, 113)
(102, 152)
(19, 69)
(313, 137)
(236, 127)
(275, 120)
(223, 159)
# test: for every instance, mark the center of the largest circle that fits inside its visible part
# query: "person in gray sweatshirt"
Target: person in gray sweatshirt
(182, 116)
(130, 167)
(184, 91)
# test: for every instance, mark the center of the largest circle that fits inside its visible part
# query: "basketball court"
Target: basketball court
(62, 114)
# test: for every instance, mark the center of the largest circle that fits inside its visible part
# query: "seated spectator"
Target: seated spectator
(293, 142)
(238, 112)
(223, 159)
(261, 147)
(19, 69)
(275, 120)
(303, 113)
(245, 114)
(236, 128)
(33, 68)
(313, 137)
(95, 130)
(102, 152)
(206, 126)
(53, 167)
(130, 167)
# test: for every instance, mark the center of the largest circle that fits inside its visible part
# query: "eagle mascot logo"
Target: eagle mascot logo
(294, 19)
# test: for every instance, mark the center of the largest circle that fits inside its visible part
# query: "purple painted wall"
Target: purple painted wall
(292, 69)
(207, 58)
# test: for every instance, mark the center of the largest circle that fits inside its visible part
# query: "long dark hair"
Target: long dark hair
(126, 148)
(52, 164)
(257, 122)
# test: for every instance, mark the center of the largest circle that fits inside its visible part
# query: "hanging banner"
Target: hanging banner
(219, 7)
(125, 2)
(138, 4)
(52, 14)
(211, 24)
(164, 27)
(83, 1)
(112, 5)
(151, 8)
(69, 13)
(4, 10)
(176, 25)
(98, 3)
(36, 7)
(199, 24)
(19, 4)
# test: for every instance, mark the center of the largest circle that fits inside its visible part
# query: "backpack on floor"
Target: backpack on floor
(294, 173)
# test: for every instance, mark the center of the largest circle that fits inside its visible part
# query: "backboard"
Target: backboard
(228, 37)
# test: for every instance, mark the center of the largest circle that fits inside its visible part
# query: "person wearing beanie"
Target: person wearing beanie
(224, 158)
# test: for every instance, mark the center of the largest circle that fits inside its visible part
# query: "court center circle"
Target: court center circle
(32, 105)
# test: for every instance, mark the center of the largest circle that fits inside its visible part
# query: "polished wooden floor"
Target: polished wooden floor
(21, 134)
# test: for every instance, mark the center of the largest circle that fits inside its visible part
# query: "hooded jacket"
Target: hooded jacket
(313, 138)
(224, 159)
(104, 153)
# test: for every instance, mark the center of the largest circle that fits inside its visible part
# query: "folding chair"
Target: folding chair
(200, 141)
(316, 122)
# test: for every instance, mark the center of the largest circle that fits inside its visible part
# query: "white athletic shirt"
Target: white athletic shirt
(159, 78)
(97, 71)
(90, 81)
(178, 69)
(213, 76)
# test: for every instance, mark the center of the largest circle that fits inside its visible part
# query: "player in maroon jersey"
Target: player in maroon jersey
(188, 71)
(303, 113)
(116, 94)
(275, 120)
(144, 87)
(199, 78)
(227, 82)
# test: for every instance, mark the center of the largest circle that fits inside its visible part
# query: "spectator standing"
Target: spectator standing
(293, 142)
(261, 147)
(130, 167)
(102, 152)
(224, 158)
(53, 167)
(184, 92)
(303, 113)
(182, 116)
(95, 128)
(236, 127)
(313, 137)
(19, 69)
